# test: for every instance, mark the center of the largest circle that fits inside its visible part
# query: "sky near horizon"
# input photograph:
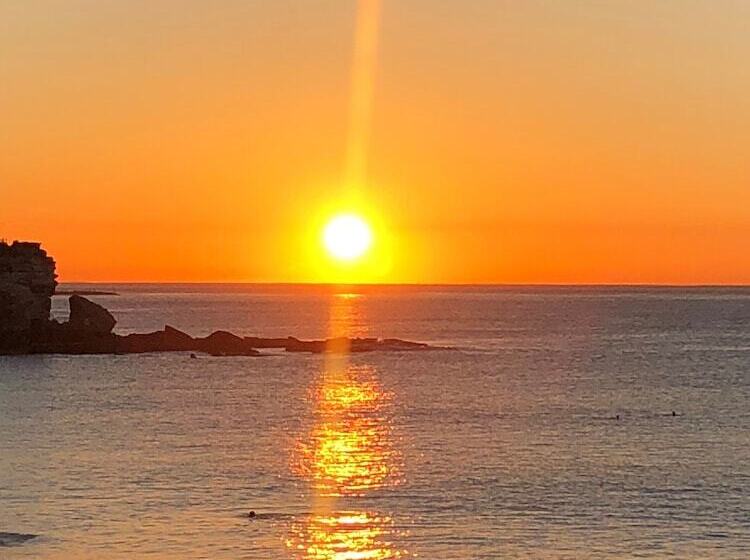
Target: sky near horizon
(509, 141)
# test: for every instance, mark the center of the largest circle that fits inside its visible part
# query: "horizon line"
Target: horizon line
(415, 284)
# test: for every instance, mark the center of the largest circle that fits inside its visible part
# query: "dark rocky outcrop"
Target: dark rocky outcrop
(17, 307)
(14, 539)
(139, 343)
(223, 343)
(400, 344)
(28, 281)
(339, 345)
(219, 343)
(168, 340)
(257, 342)
(61, 338)
(89, 317)
(88, 331)
(27, 264)
(175, 340)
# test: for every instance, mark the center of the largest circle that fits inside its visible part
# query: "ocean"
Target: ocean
(554, 423)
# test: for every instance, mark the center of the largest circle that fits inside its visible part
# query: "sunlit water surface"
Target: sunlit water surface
(507, 446)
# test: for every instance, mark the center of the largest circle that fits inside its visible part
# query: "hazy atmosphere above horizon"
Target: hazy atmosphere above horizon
(428, 142)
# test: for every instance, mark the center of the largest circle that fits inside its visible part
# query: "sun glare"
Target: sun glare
(347, 237)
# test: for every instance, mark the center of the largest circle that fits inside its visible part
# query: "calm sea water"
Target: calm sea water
(507, 446)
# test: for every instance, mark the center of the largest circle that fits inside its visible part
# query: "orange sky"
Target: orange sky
(535, 141)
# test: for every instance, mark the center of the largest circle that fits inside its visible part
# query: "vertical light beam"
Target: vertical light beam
(364, 66)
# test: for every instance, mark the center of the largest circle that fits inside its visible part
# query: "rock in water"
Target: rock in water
(257, 342)
(344, 345)
(138, 343)
(27, 282)
(223, 343)
(13, 539)
(168, 340)
(90, 317)
(18, 307)
(174, 339)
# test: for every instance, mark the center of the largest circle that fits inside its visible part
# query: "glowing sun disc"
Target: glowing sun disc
(347, 237)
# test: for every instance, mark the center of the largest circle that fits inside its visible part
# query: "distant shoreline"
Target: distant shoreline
(84, 293)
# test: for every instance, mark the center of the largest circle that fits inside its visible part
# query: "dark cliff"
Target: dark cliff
(27, 282)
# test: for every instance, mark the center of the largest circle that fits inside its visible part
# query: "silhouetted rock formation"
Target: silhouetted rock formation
(337, 345)
(157, 341)
(174, 340)
(138, 343)
(222, 343)
(89, 317)
(27, 282)
(89, 332)
(256, 342)
(219, 343)
(62, 338)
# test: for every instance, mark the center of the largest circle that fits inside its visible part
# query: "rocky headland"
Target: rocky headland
(28, 281)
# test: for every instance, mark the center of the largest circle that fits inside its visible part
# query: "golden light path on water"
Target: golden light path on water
(348, 452)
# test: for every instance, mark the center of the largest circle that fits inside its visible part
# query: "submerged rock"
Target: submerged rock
(14, 539)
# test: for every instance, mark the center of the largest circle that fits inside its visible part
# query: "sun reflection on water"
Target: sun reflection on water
(347, 453)
(349, 448)
(345, 536)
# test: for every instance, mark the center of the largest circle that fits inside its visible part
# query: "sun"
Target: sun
(347, 237)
